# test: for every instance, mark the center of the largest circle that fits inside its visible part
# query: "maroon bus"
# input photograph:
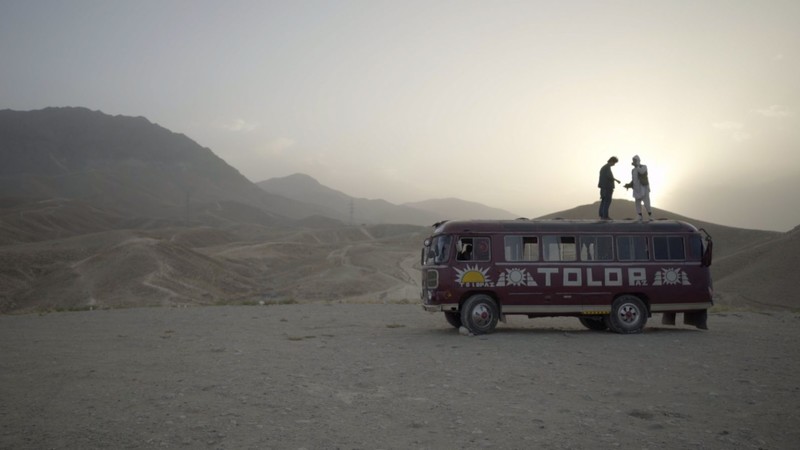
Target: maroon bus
(610, 274)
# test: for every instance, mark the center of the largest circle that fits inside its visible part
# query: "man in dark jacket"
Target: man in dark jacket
(606, 185)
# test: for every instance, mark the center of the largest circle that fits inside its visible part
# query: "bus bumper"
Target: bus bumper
(450, 307)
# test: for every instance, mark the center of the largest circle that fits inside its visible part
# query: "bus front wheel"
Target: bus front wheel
(628, 315)
(479, 314)
(453, 318)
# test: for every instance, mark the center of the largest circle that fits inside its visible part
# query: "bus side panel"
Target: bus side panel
(679, 287)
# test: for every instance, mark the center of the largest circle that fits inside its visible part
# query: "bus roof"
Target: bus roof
(562, 226)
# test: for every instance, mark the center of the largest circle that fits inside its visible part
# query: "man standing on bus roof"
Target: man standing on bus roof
(641, 187)
(606, 185)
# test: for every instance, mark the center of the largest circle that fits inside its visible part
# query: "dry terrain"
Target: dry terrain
(350, 376)
(153, 297)
(203, 265)
(64, 255)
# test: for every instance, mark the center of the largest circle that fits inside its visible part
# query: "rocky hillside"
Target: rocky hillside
(762, 275)
(127, 165)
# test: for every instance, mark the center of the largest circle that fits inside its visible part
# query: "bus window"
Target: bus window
(464, 249)
(632, 248)
(439, 250)
(559, 248)
(597, 248)
(668, 247)
(473, 249)
(521, 248)
(482, 249)
(695, 247)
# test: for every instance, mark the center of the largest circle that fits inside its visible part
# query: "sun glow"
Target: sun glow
(663, 169)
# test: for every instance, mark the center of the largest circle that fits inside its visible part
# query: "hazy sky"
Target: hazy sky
(512, 104)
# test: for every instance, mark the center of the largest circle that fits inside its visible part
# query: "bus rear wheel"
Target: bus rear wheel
(479, 314)
(628, 315)
(594, 323)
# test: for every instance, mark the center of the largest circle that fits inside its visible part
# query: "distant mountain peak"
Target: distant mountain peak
(301, 178)
(125, 163)
(456, 208)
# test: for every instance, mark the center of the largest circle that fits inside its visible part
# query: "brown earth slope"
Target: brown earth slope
(207, 265)
(761, 276)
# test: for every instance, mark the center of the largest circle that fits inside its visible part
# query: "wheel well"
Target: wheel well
(489, 294)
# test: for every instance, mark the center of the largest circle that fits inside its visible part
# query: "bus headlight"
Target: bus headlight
(432, 279)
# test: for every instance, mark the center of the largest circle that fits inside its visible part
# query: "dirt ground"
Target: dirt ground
(348, 376)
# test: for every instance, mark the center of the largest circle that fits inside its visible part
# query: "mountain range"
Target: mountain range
(109, 211)
(307, 190)
(137, 169)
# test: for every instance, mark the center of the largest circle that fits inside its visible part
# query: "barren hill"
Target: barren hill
(123, 164)
(341, 206)
(24, 220)
(762, 275)
(238, 263)
(457, 209)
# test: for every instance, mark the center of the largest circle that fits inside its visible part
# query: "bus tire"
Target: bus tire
(628, 315)
(594, 323)
(479, 314)
(453, 318)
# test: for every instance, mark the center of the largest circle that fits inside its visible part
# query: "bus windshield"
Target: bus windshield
(439, 250)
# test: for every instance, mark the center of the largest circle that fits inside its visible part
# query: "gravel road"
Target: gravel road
(347, 376)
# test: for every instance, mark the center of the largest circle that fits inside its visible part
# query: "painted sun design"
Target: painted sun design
(472, 274)
(671, 276)
(515, 276)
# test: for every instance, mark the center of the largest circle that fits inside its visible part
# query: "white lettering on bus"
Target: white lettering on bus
(615, 282)
(637, 277)
(575, 280)
(590, 281)
(475, 276)
(547, 271)
(612, 276)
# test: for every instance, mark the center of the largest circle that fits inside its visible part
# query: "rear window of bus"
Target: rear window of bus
(695, 247)
(668, 248)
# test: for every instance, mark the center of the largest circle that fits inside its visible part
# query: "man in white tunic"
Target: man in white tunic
(641, 187)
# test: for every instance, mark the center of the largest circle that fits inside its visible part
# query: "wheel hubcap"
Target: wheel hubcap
(628, 314)
(481, 316)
